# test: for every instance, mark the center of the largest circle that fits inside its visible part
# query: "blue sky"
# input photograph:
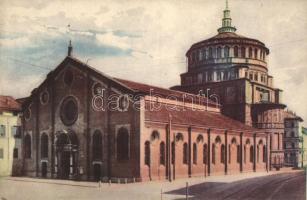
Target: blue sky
(145, 40)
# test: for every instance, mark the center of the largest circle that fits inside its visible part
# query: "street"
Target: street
(284, 186)
(274, 185)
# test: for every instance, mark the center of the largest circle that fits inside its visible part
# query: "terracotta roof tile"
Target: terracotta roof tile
(144, 88)
(197, 118)
(8, 103)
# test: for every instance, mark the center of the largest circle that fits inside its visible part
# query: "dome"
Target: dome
(228, 38)
(227, 56)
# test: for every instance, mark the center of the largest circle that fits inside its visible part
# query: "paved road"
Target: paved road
(276, 185)
(286, 186)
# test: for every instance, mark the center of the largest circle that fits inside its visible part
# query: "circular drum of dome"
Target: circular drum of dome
(69, 111)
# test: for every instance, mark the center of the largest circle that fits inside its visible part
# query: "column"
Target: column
(269, 152)
(71, 165)
(56, 166)
(190, 151)
(241, 152)
(174, 165)
(226, 152)
(168, 154)
(209, 152)
(266, 153)
(254, 159)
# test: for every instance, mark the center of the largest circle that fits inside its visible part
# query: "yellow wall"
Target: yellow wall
(8, 143)
(304, 148)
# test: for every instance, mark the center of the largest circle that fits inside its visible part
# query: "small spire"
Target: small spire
(226, 21)
(69, 49)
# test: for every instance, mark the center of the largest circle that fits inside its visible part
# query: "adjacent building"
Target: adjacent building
(292, 139)
(10, 136)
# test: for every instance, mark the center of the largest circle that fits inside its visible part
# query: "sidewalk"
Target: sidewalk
(35, 188)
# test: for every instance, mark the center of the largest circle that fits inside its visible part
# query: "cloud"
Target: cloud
(110, 39)
(148, 38)
(14, 42)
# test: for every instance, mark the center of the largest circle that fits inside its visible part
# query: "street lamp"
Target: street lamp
(302, 150)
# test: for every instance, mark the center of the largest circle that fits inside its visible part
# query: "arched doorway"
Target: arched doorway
(66, 148)
(97, 172)
(44, 169)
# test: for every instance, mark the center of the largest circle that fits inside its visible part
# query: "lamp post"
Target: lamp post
(302, 150)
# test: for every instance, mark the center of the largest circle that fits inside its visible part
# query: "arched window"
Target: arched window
(243, 52)
(147, 153)
(205, 154)
(222, 153)
(264, 153)
(226, 52)
(162, 153)
(200, 138)
(28, 147)
(185, 153)
(251, 154)
(179, 137)
(97, 145)
(122, 144)
(155, 135)
(250, 52)
(194, 153)
(210, 52)
(219, 52)
(236, 51)
(256, 54)
(213, 153)
(218, 139)
(238, 154)
(44, 145)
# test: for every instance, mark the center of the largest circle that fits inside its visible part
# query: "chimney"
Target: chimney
(69, 53)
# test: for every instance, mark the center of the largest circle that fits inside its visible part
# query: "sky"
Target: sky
(146, 41)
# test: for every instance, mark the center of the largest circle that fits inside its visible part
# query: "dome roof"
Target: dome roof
(226, 35)
(227, 38)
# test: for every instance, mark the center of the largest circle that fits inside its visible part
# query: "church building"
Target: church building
(82, 124)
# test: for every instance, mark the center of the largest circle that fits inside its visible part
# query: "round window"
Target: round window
(44, 97)
(123, 103)
(69, 111)
(97, 89)
(68, 77)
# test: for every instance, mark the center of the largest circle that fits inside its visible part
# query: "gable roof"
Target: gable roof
(8, 103)
(129, 86)
(163, 92)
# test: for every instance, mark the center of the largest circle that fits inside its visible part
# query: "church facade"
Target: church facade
(81, 124)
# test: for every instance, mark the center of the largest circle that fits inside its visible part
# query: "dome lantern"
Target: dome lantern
(226, 21)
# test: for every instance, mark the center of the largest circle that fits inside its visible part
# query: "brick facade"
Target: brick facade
(162, 144)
